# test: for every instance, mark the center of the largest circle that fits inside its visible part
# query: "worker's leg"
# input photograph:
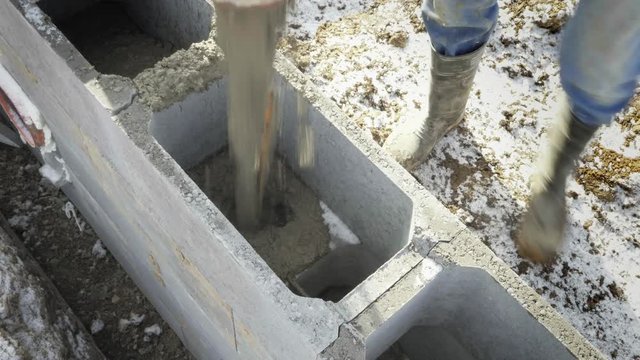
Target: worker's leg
(458, 30)
(458, 27)
(599, 68)
(600, 58)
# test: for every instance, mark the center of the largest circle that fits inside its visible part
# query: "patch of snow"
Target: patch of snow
(340, 233)
(19, 221)
(307, 15)
(30, 308)
(51, 174)
(34, 322)
(96, 326)
(134, 319)
(98, 250)
(8, 348)
(154, 329)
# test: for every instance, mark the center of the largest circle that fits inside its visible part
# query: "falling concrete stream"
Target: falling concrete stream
(248, 34)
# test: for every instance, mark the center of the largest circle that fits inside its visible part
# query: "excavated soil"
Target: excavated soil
(90, 280)
(369, 97)
(631, 121)
(556, 10)
(605, 171)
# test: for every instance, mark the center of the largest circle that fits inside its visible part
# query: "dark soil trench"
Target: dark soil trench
(96, 288)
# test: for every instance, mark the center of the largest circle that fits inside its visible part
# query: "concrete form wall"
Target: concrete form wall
(179, 22)
(375, 208)
(204, 278)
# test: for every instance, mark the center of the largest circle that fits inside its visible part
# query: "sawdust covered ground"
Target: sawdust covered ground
(366, 90)
(372, 59)
(605, 172)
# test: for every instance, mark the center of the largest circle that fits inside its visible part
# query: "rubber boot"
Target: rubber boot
(451, 80)
(542, 227)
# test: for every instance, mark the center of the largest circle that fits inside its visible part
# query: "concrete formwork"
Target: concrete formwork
(422, 280)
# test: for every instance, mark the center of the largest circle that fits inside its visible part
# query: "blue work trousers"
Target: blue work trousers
(599, 56)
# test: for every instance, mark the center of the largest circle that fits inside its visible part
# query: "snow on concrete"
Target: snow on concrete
(340, 233)
(481, 170)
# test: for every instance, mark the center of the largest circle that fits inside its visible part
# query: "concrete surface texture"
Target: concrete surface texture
(292, 235)
(201, 274)
(464, 305)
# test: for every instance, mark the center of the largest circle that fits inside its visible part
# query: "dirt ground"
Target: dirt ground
(97, 289)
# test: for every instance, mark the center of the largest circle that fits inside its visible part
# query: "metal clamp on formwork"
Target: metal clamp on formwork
(27, 120)
(31, 135)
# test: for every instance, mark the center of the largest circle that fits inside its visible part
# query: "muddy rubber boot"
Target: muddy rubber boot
(451, 80)
(542, 227)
